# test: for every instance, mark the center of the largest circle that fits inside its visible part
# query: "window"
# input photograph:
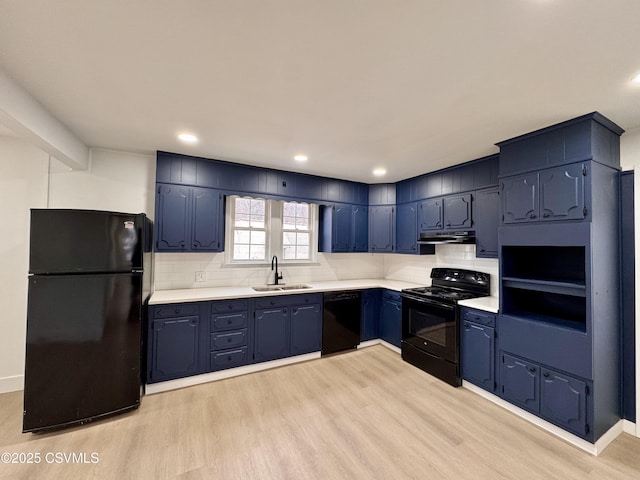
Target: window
(258, 229)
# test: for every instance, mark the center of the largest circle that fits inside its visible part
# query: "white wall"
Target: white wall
(114, 181)
(23, 185)
(630, 149)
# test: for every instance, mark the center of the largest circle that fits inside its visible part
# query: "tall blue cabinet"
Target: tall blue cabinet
(559, 322)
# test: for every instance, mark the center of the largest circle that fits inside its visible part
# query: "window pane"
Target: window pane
(289, 238)
(241, 252)
(289, 253)
(257, 252)
(243, 205)
(258, 237)
(303, 239)
(289, 223)
(302, 253)
(241, 236)
(258, 207)
(241, 219)
(302, 223)
(289, 209)
(302, 210)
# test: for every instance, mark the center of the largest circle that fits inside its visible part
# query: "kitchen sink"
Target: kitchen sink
(275, 288)
(299, 286)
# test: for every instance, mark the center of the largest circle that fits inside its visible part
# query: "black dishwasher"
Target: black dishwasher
(341, 322)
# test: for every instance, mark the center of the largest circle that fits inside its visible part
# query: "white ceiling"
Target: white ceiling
(411, 85)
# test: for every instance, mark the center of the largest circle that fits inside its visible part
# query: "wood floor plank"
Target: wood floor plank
(361, 415)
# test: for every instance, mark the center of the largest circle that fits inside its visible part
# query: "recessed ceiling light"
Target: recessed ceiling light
(188, 138)
(636, 79)
(300, 158)
(379, 172)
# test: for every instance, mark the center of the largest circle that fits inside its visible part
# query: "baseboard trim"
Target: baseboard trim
(592, 448)
(629, 427)
(12, 384)
(153, 388)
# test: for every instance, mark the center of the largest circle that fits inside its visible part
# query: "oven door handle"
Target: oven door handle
(426, 301)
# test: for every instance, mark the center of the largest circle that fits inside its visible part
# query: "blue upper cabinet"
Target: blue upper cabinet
(457, 211)
(189, 219)
(430, 215)
(174, 168)
(173, 205)
(407, 228)
(343, 228)
(486, 215)
(381, 228)
(589, 137)
(552, 194)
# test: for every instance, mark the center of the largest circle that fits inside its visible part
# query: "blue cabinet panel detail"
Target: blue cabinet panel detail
(563, 401)
(478, 355)
(175, 348)
(271, 334)
(381, 228)
(369, 325)
(520, 382)
(486, 220)
(520, 198)
(306, 329)
(391, 319)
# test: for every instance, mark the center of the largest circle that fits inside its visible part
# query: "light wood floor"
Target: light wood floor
(361, 415)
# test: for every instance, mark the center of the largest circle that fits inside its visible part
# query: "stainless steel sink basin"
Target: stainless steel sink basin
(275, 288)
(299, 286)
(268, 288)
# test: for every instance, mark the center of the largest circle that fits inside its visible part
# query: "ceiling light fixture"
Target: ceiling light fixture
(379, 172)
(188, 138)
(300, 158)
(636, 79)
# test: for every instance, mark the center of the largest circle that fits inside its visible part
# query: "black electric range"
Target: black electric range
(431, 317)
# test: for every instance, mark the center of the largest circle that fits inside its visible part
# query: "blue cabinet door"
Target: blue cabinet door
(175, 348)
(381, 228)
(342, 228)
(430, 214)
(486, 214)
(563, 401)
(306, 329)
(391, 322)
(407, 228)
(172, 217)
(207, 220)
(457, 211)
(562, 193)
(478, 355)
(271, 334)
(520, 381)
(520, 198)
(360, 228)
(370, 315)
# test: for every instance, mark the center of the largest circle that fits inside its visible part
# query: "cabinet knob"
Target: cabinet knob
(546, 214)
(532, 369)
(466, 325)
(545, 374)
(229, 322)
(228, 339)
(532, 215)
(448, 224)
(177, 311)
(182, 244)
(476, 317)
(229, 307)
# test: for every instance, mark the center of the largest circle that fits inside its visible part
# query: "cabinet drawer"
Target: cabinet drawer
(228, 358)
(228, 306)
(175, 310)
(477, 316)
(220, 341)
(228, 321)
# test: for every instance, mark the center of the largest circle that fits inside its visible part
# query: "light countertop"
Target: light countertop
(223, 293)
(489, 304)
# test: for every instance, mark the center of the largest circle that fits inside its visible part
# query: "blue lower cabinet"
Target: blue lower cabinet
(391, 318)
(478, 354)
(174, 349)
(370, 321)
(229, 358)
(287, 325)
(306, 329)
(557, 397)
(229, 335)
(271, 334)
(520, 382)
(563, 401)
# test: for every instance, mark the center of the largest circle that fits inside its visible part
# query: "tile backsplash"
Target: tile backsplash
(178, 270)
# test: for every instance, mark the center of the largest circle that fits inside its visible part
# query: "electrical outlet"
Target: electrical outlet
(201, 276)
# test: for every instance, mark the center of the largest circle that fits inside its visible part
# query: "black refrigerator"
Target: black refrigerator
(89, 281)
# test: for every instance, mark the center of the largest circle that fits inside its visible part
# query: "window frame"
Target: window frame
(274, 242)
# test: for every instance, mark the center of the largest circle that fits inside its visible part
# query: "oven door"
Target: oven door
(431, 326)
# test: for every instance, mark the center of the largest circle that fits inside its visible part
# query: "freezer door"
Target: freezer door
(83, 348)
(85, 241)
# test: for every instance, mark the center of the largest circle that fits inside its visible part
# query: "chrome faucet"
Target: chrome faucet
(276, 275)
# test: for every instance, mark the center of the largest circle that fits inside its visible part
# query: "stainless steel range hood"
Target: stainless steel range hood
(438, 238)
